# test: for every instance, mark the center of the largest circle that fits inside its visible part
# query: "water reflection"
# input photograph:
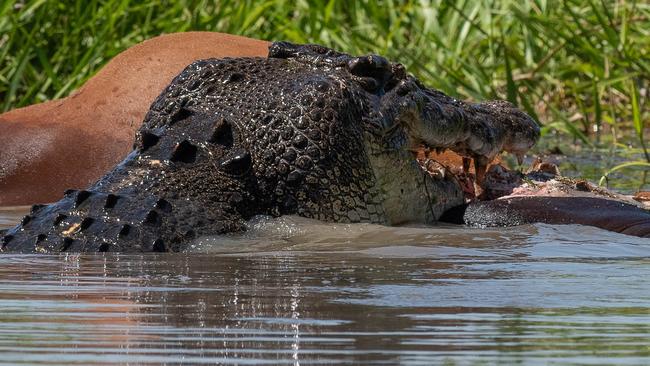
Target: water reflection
(352, 307)
(295, 292)
(11, 215)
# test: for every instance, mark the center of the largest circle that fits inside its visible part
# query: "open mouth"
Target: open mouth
(442, 163)
(476, 132)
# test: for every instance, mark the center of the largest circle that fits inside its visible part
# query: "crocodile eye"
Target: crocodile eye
(373, 71)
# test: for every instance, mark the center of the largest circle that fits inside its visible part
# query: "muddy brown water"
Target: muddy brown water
(294, 291)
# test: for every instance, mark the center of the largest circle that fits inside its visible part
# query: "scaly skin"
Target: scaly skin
(307, 131)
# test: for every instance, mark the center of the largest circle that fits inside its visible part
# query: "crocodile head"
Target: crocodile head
(376, 107)
(307, 131)
(399, 115)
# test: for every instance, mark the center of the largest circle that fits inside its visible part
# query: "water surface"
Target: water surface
(293, 291)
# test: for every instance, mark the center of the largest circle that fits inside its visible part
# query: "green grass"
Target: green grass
(580, 67)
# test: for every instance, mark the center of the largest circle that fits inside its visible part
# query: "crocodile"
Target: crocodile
(307, 130)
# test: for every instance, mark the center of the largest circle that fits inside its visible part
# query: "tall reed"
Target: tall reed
(580, 67)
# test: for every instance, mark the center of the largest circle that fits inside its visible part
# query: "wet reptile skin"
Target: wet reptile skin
(307, 131)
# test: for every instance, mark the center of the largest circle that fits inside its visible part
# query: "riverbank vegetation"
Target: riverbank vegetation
(580, 67)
